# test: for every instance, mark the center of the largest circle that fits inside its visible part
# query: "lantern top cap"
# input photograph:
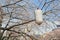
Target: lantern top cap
(38, 8)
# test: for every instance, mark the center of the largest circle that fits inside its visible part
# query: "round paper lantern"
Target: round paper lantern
(38, 16)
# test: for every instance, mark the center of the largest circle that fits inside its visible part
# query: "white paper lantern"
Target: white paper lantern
(38, 16)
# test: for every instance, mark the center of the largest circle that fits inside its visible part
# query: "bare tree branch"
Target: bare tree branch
(50, 11)
(47, 3)
(11, 4)
(21, 24)
(19, 33)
